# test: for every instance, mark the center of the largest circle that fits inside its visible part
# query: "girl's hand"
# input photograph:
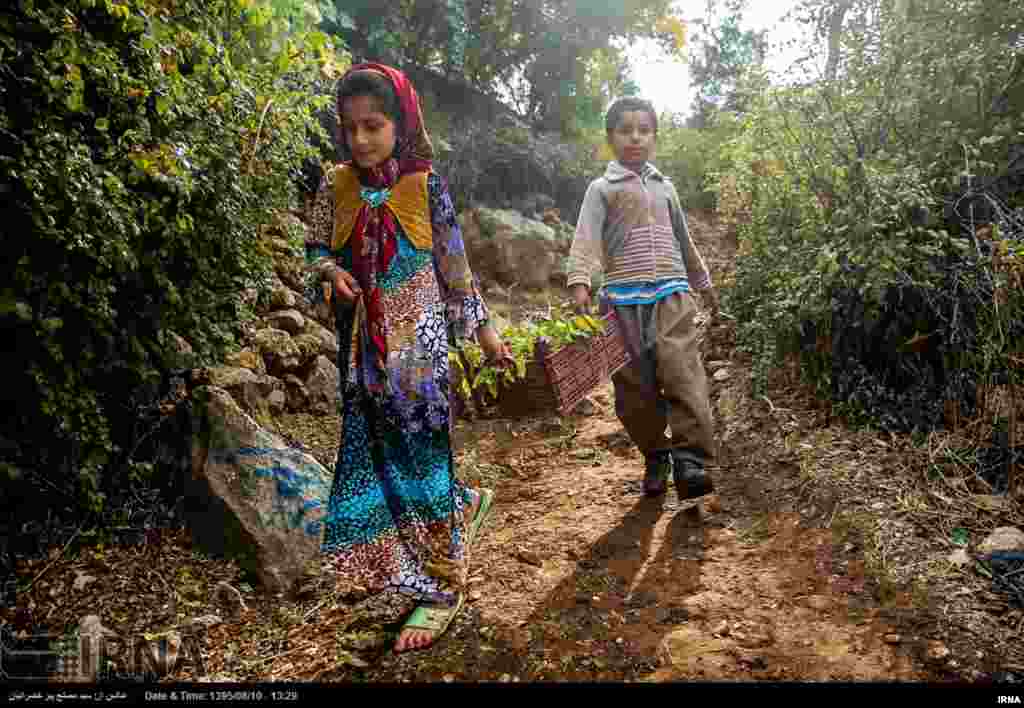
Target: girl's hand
(346, 288)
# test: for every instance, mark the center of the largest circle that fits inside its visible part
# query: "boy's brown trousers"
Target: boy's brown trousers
(664, 386)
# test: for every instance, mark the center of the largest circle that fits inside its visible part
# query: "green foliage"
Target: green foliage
(691, 156)
(559, 330)
(551, 59)
(725, 53)
(855, 170)
(143, 143)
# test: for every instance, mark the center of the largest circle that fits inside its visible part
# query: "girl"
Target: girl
(386, 243)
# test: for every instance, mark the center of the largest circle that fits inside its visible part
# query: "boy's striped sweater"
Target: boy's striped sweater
(633, 228)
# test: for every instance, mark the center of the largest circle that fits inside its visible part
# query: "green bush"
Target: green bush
(142, 144)
(690, 155)
(843, 188)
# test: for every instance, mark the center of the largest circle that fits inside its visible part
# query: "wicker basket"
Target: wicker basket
(559, 380)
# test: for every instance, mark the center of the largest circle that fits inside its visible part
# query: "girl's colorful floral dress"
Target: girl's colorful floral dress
(395, 520)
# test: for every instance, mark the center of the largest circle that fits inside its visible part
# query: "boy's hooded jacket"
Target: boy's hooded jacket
(633, 228)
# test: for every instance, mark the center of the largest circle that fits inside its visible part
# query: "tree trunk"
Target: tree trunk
(835, 34)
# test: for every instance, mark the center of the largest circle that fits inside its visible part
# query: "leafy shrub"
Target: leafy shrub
(142, 143)
(690, 155)
(850, 196)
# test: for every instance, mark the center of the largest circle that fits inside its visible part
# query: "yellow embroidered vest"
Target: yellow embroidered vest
(409, 202)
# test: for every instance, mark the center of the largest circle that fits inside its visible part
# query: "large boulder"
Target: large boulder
(507, 247)
(250, 497)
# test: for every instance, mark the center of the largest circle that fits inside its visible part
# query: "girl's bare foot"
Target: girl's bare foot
(411, 639)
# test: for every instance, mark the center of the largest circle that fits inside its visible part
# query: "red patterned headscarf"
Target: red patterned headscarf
(374, 235)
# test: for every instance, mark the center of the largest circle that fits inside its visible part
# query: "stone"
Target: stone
(182, 356)
(690, 650)
(277, 402)
(249, 297)
(282, 247)
(326, 337)
(243, 384)
(82, 581)
(506, 247)
(247, 359)
(281, 298)
(205, 621)
(247, 388)
(722, 375)
(250, 497)
(309, 347)
(1004, 538)
(322, 386)
(279, 352)
(296, 395)
(290, 271)
(228, 597)
(291, 321)
(959, 558)
(936, 651)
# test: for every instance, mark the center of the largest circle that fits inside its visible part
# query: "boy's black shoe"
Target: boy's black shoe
(689, 475)
(658, 466)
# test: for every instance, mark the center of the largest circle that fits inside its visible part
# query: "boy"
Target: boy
(632, 226)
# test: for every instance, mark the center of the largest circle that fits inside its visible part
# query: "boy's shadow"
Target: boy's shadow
(619, 590)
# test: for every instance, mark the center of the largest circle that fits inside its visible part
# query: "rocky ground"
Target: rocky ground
(827, 554)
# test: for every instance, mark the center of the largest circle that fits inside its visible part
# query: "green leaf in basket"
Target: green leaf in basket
(960, 536)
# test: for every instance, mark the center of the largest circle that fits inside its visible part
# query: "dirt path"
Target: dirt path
(578, 577)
